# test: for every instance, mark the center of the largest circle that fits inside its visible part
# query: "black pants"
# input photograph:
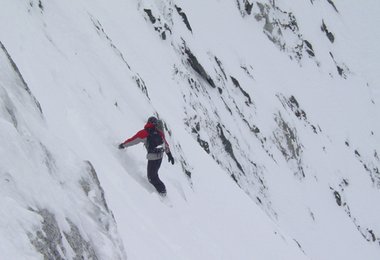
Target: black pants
(153, 167)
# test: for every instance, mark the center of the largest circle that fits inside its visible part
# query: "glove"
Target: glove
(121, 146)
(170, 157)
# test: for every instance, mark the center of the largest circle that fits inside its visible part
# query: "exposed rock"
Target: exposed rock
(150, 15)
(228, 147)
(40, 5)
(197, 67)
(237, 84)
(294, 106)
(276, 23)
(342, 69)
(184, 17)
(338, 198)
(333, 5)
(309, 48)
(245, 7)
(287, 142)
(141, 84)
(161, 27)
(91, 183)
(83, 249)
(329, 34)
(48, 240)
(367, 233)
(21, 78)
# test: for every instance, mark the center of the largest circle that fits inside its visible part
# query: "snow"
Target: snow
(63, 179)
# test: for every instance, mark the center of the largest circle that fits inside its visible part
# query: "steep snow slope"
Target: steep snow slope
(90, 101)
(272, 125)
(51, 199)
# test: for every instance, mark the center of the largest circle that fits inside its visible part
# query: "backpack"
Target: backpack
(154, 140)
(160, 125)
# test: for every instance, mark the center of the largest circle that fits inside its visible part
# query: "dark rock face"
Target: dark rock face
(202, 143)
(141, 84)
(366, 232)
(21, 78)
(292, 106)
(150, 15)
(91, 183)
(237, 84)
(48, 240)
(338, 198)
(333, 5)
(329, 34)
(342, 69)
(83, 249)
(245, 7)
(197, 67)
(204, 120)
(287, 142)
(53, 240)
(276, 22)
(309, 48)
(184, 17)
(160, 26)
(228, 147)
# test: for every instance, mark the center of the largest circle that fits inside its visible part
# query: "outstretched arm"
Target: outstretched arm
(139, 137)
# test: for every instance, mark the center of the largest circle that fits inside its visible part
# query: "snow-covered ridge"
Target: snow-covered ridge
(270, 118)
(48, 199)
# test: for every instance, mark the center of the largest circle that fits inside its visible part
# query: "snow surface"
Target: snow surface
(79, 77)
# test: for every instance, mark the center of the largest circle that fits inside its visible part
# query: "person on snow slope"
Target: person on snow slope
(154, 141)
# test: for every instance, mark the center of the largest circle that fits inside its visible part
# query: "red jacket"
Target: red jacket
(141, 136)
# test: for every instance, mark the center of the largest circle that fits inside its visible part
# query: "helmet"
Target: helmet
(153, 120)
